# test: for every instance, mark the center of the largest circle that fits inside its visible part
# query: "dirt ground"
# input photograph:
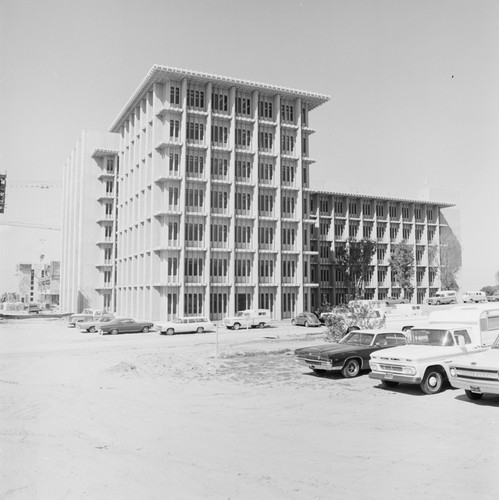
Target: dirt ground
(144, 416)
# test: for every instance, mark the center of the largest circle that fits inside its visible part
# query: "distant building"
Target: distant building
(212, 211)
(39, 283)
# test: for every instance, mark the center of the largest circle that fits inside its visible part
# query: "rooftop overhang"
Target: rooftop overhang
(161, 74)
(382, 198)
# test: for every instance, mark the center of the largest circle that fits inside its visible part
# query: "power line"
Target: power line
(27, 225)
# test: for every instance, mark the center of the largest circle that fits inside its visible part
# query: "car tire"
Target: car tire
(437, 302)
(351, 368)
(91, 329)
(170, 331)
(474, 396)
(236, 326)
(261, 325)
(145, 329)
(306, 324)
(293, 322)
(114, 331)
(389, 383)
(200, 329)
(433, 381)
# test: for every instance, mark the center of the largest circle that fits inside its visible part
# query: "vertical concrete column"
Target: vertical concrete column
(232, 204)
(207, 208)
(299, 207)
(278, 212)
(255, 268)
(183, 218)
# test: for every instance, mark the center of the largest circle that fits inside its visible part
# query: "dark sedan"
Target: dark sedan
(306, 319)
(125, 325)
(351, 354)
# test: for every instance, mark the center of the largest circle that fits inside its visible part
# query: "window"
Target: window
(219, 233)
(288, 173)
(193, 303)
(288, 236)
(194, 232)
(194, 198)
(287, 112)
(193, 266)
(392, 211)
(174, 162)
(243, 170)
(219, 198)
(194, 165)
(109, 187)
(218, 303)
(172, 266)
(195, 132)
(417, 213)
(172, 231)
(195, 98)
(219, 135)
(352, 208)
(173, 196)
(288, 205)
(366, 208)
(219, 266)
(266, 203)
(338, 206)
(174, 129)
(243, 234)
(405, 212)
(219, 101)
(266, 235)
(219, 166)
(172, 301)
(265, 140)
(243, 201)
(243, 105)
(110, 165)
(380, 231)
(243, 267)
(243, 137)
(266, 268)
(265, 108)
(174, 94)
(287, 143)
(266, 171)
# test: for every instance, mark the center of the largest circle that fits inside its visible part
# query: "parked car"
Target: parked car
(85, 315)
(443, 297)
(493, 298)
(124, 325)
(470, 297)
(306, 319)
(478, 373)
(185, 325)
(94, 325)
(248, 318)
(33, 308)
(391, 301)
(351, 354)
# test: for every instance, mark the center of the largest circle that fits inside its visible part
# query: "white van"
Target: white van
(443, 297)
(474, 297)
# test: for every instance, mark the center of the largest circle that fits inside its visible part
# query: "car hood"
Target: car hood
(414, 352)
(326, 349)
(488, 359)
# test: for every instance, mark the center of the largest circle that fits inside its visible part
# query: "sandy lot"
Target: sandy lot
(145, 416)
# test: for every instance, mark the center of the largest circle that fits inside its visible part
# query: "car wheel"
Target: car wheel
(91, 329)
(473, 395)
(170, 331)
(261, 325)
(307, 324)
(351, 368)
(437, 302)
(389, 383)
(114, 331)
(433, 381)
(293, 322)
(200, 329)
(470, 301)
(145, 329)
(236, 326)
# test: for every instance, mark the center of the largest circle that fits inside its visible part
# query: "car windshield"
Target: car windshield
(495, 345)
(430, 337)
(239, 314)
(104, 320)
(358, 338)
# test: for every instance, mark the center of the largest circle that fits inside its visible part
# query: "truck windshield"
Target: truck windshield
(495, 345)
(430, 337)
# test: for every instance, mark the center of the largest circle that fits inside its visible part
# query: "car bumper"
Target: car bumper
(317, 364)
(395, 377)
(478, 386)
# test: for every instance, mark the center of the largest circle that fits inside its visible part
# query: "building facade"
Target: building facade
(89, 223)
(213, 208)
(39, 283)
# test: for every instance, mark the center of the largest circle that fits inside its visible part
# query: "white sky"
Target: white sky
(414, 87)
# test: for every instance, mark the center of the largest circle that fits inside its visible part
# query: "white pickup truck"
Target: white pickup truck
(86, 315)
(432, 347)
(249, 318)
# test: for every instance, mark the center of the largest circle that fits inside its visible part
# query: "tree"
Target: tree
(402, 264)
(354, 259)
(450, 259)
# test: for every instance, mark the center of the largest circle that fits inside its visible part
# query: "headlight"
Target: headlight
(374, 366)
(409, 370)
(452, 372)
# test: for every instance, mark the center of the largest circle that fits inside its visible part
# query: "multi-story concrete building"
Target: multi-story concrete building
(89, 223)
(39, 283)
(214, 212)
